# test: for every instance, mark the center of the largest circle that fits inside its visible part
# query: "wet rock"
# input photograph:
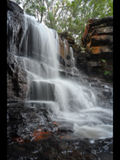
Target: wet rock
(68, 50)
(15, 27)
(65, 128)
(64, 47)
(32, 135)
(16, 79)
(16, 74)
(43, 91)
(12, 6)
(62, 61)
(27, 119)
(71, 42)
(52, 149)
(108, 94)
(93, 64)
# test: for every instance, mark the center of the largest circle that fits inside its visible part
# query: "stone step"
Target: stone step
(41, 105)
(42, 91)
(64, 73)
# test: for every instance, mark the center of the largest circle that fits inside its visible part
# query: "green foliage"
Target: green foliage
(73, 16)
(34, 7)
(29, 11)
(68, 16)
(107, 73)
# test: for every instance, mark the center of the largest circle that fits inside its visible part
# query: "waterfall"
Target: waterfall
(70, 101)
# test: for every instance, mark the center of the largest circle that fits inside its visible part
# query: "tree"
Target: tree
(68, 16)
(34, 7)
(72, 16)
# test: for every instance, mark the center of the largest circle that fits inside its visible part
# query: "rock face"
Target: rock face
(16, 75)
(98, 41)
(68, 51)
(98, 36)
(15, 27)
(16, 79)
(69, 40)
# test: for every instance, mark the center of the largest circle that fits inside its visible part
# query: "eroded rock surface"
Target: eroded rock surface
(98, 36)
(97, 59)
(32, 135)
(16, 74)
(15, 27)
(16, 78)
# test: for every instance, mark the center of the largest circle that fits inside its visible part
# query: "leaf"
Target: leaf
(103, 60)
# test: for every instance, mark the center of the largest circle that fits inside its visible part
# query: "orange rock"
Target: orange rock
(98, 36)
(99, 49)
(64, 47)
(95, 50)
(38, 135)
(101, 37)
(88, 45)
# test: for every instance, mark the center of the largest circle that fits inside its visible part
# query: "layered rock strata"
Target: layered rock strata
(98, 36)
(97, 59)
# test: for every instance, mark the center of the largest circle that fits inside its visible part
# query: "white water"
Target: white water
(73, 102)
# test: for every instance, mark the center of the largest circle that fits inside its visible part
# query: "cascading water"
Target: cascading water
(70, 101)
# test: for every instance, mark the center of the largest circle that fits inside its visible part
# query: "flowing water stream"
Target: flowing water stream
(70, 101)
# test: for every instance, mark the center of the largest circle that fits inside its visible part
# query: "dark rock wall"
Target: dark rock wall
(16, 75)
(66, 42)
(64, 47)
(70, 43)
(15, 27)
(16, 79)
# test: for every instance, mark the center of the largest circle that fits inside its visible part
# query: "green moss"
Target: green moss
(107, 73)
